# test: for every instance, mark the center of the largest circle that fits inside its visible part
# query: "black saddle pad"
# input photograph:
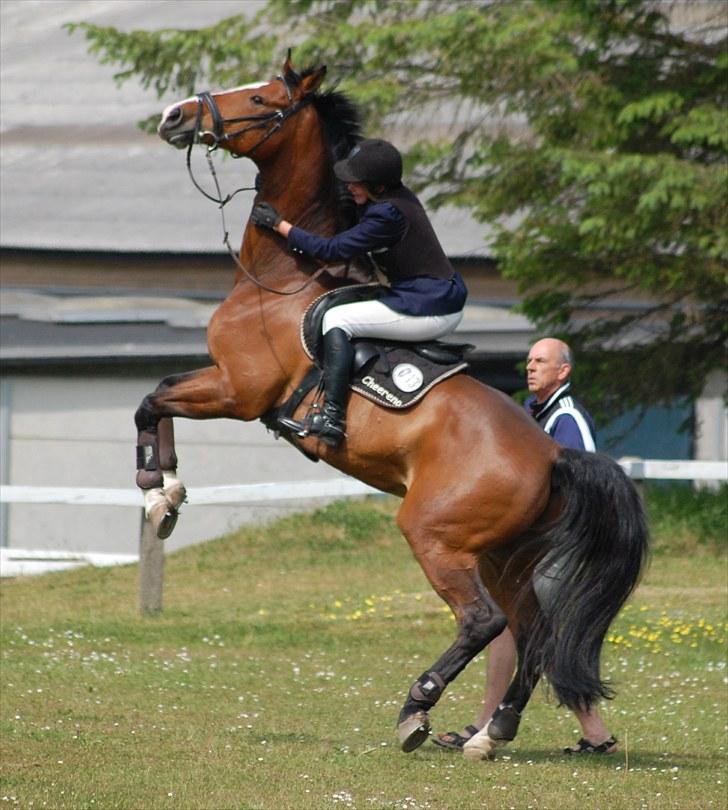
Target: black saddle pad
(392, 374)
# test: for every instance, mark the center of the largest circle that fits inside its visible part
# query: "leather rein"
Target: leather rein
(271, 123)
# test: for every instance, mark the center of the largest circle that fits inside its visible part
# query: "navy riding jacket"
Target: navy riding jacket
(382, 225)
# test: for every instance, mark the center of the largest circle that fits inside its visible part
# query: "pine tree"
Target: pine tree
(589, 136)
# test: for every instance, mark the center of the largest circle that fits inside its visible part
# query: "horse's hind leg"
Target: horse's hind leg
(503, 726)
(198, 394)
(454, 576)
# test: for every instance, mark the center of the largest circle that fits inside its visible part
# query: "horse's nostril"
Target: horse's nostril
(172, 119)
(173, 116)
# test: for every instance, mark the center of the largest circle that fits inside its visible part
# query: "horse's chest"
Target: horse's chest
(233, 329)
(241, 333)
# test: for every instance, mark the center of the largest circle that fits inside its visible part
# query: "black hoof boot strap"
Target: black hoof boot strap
(424, 693)
(504, 725)
(149, 474)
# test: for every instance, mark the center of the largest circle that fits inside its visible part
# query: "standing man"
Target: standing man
(548, 369)
(551, 404)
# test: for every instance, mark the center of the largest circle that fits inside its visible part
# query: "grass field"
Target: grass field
(274, 677)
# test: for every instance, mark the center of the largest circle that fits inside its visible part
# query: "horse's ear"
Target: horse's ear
(312, 81)
(288, 64)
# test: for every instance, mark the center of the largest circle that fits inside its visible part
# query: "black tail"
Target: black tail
(595, 554)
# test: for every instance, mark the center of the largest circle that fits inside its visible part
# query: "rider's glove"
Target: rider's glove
(265, 216)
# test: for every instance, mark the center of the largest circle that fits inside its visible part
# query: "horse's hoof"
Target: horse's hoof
(163, 518)
(413, 731)
(167, 524)
(480, 746)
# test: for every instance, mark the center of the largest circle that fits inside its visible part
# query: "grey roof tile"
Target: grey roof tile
(77, 173)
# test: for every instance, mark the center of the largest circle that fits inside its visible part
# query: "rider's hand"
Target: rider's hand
(265, 216)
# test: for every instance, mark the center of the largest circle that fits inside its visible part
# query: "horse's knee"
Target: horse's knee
(146, 416)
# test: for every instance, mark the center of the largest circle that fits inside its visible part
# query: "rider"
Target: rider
(425, 297)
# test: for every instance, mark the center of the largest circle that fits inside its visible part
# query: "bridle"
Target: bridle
(270, 122)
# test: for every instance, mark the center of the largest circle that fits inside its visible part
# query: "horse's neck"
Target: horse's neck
(298, 182)
(305, 199)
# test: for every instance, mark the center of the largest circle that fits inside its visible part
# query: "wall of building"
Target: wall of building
(77, 431)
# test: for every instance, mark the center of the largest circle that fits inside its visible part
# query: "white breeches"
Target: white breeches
(376, 320)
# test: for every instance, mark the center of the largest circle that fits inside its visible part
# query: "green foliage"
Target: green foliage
(592, 137)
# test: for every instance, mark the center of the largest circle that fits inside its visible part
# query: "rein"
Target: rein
(277, 118)
(226, 237)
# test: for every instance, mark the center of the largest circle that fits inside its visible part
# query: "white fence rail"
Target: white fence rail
(641, 469)
(236, 494)
(15, 561)
(21, 561)
(196, 496)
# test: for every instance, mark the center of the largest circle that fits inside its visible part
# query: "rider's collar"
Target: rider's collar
(539, 407)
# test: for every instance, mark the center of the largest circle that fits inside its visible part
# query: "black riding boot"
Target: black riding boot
(329, 424)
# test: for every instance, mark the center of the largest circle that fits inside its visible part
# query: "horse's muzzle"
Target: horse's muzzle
(175, 130)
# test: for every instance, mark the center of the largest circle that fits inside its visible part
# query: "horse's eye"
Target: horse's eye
(257, 100)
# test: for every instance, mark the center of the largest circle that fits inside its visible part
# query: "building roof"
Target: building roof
(80, 177)
(77, 172)
(38, 329)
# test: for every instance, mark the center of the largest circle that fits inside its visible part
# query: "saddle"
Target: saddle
(393, 374)
(390, 373)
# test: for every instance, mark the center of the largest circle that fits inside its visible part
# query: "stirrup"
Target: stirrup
(299, 428)
(327, 429)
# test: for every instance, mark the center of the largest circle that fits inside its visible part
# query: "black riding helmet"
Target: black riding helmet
(373, 162)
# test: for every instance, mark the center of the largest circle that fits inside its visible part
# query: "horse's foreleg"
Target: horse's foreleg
(197, 395)
(454, 576)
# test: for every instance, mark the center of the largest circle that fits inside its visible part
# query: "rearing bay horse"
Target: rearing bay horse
(508, 527)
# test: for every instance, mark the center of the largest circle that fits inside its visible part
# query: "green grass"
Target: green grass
(275, 674)
(684, 519)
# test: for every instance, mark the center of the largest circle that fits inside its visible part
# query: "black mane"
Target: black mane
(342, 131)
(341, 122)
(338, 114)
(341, 125)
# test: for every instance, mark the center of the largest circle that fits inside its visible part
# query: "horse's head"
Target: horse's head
(245, 120)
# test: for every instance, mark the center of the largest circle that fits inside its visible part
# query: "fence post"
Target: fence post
(151, 569)
(634, 466)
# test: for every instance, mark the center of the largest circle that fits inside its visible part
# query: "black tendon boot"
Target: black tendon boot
(328, 424)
